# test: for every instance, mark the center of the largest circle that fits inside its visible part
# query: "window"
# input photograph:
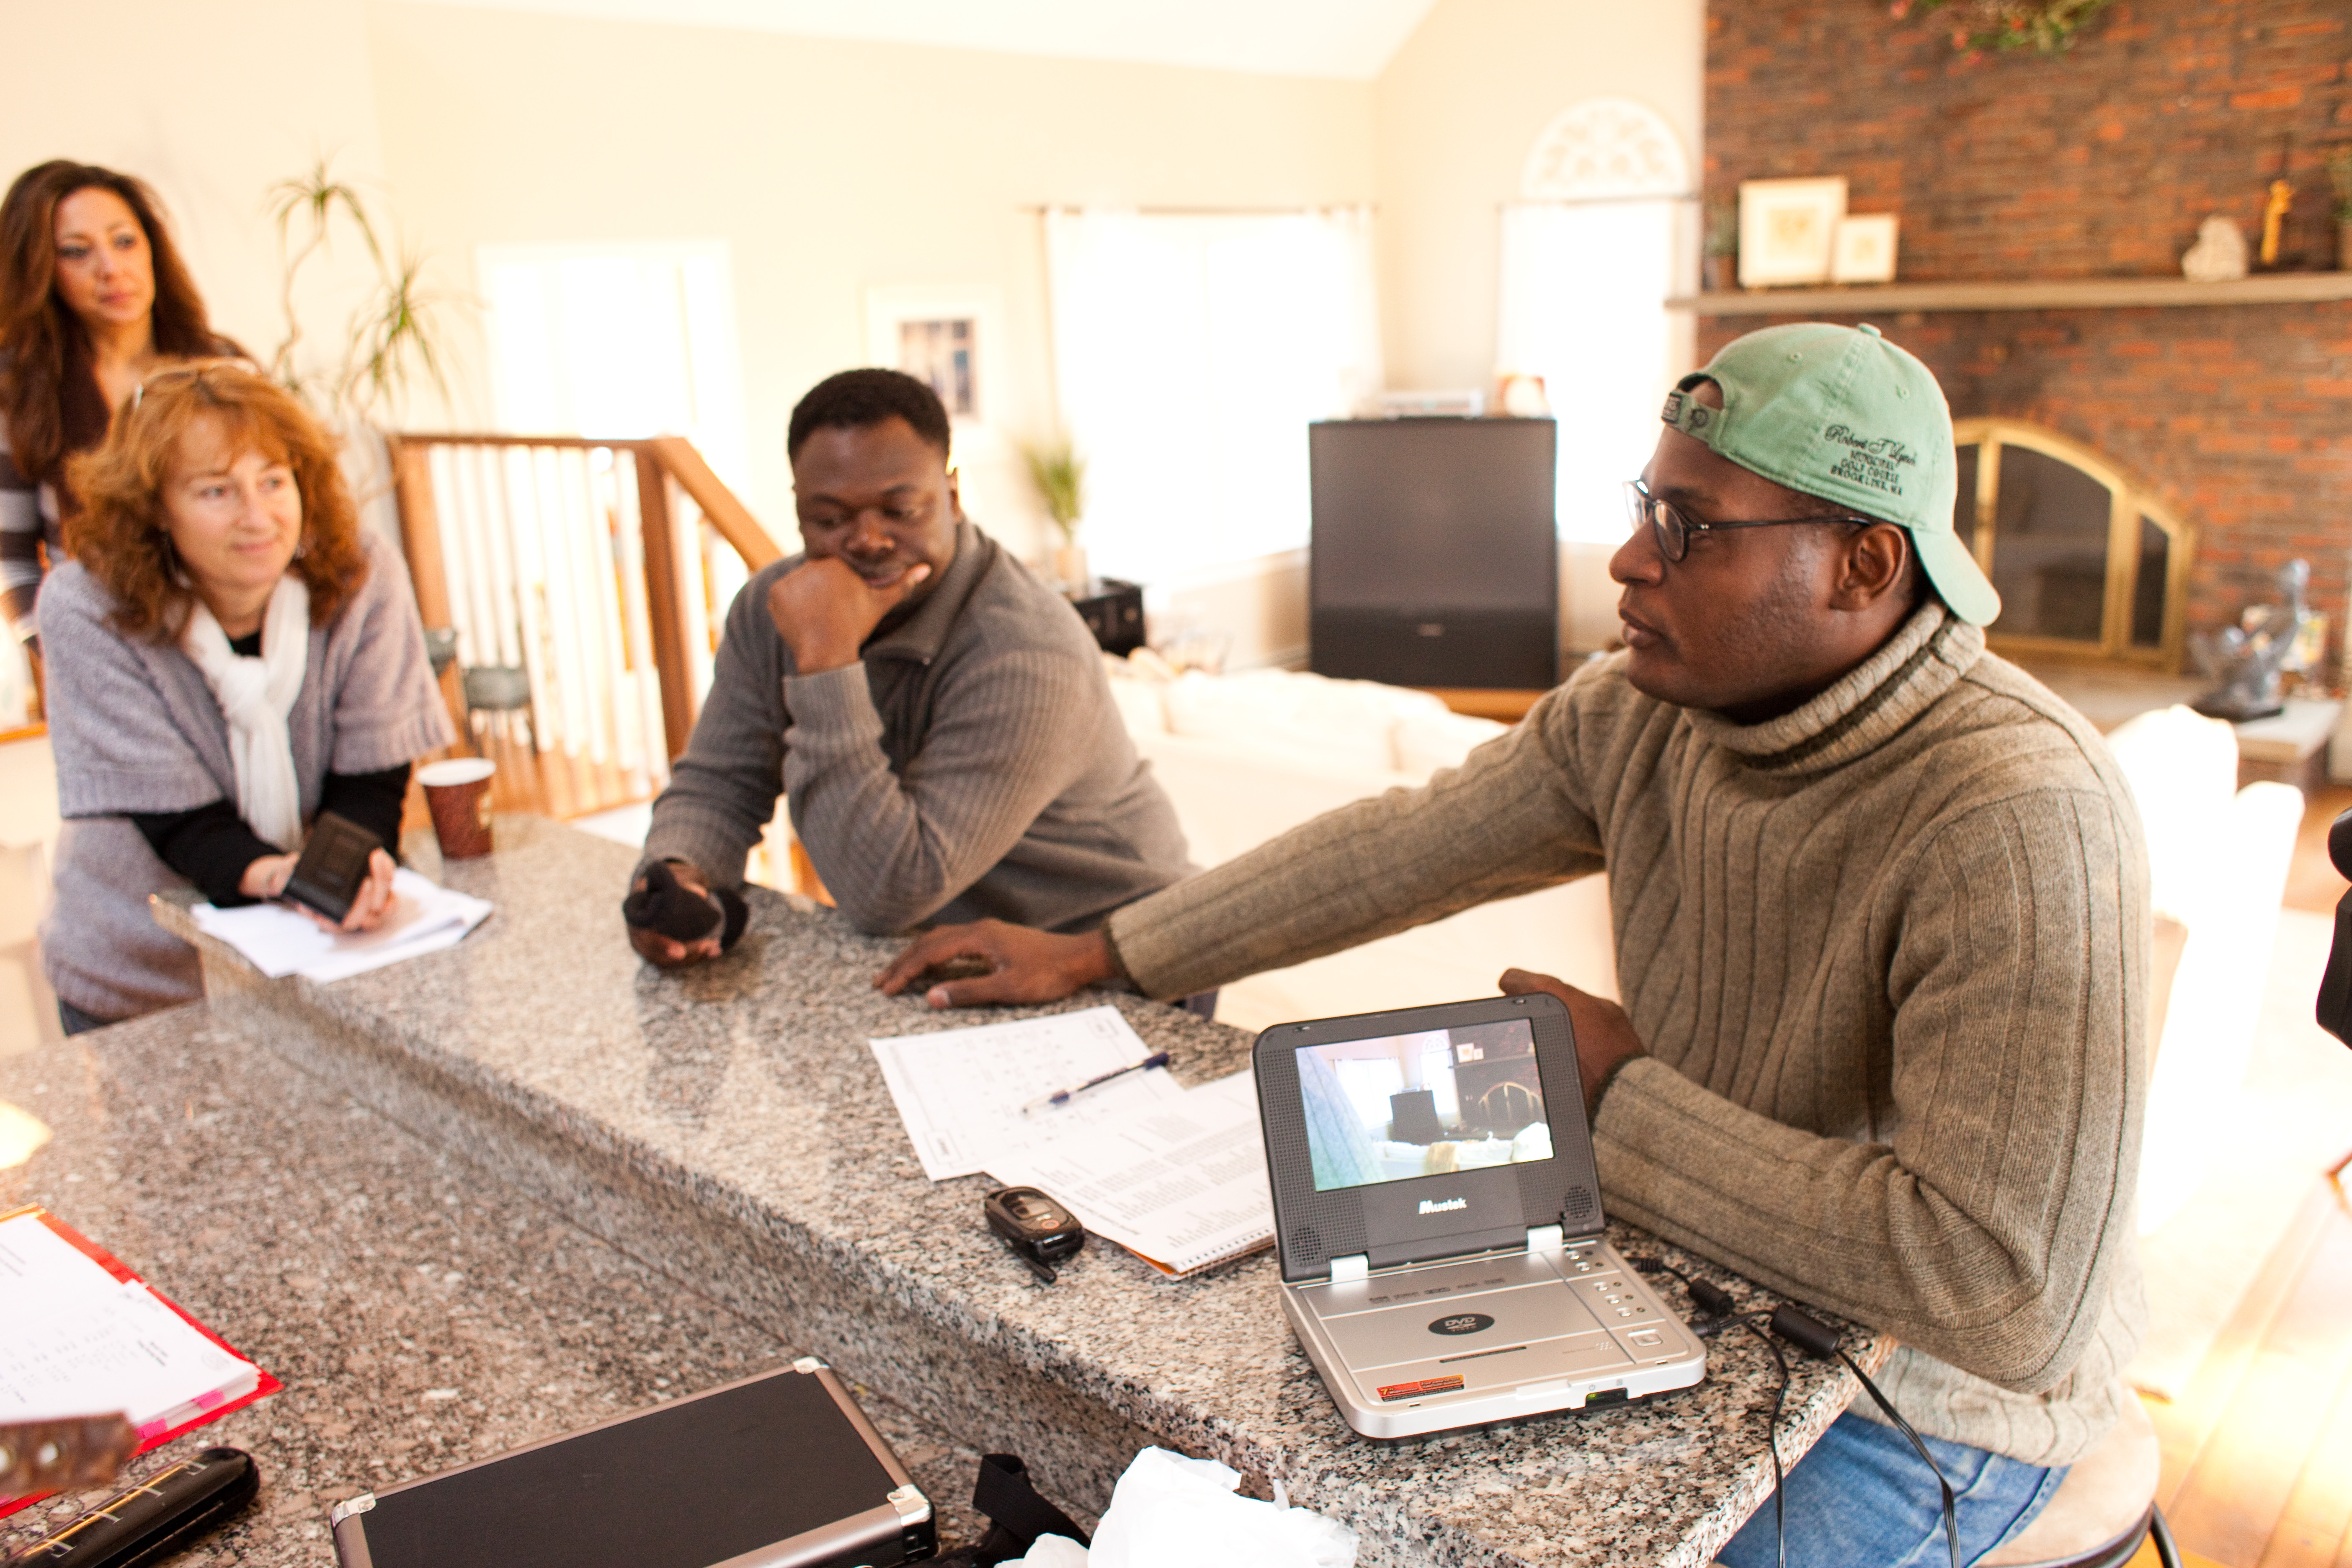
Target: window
(624, 341)
(2086, 562)
(617, 340)
(1192, 353)
(1588, 260)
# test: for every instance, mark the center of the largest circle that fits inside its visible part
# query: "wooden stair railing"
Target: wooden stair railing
(586, 565)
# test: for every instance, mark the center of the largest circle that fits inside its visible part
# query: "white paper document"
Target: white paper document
(961, 1092)
(277, 941)
(1183, 1185)
(81, 1342)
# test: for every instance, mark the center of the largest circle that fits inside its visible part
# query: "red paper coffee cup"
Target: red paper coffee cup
(459, 791)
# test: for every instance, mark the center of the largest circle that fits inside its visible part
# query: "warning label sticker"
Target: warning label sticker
(1396, 1391)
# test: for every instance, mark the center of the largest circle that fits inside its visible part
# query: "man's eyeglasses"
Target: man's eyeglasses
(1673, 530)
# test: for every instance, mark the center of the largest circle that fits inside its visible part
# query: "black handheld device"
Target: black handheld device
(162, 1516)
(333, 867)
(1040, 1231)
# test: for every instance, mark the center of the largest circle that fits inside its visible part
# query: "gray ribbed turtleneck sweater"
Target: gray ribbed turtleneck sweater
(1889, 957)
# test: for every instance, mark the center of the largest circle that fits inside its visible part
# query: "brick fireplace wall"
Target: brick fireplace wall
(2097, 162)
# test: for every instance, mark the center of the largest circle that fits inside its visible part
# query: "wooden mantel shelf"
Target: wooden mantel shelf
(2053, 294)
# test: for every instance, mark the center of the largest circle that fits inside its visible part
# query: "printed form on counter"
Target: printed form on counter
(961, 1092)
(1182, 1185)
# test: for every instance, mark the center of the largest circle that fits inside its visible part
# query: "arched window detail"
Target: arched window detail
(2089, 564)
(1605, 147)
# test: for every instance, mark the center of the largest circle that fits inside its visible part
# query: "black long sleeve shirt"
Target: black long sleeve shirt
(210, 845)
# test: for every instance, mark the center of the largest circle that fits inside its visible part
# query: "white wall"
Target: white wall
(211, 102)
(830, 166)
(1455, 115)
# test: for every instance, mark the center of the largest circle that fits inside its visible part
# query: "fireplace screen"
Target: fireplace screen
(2086, 561)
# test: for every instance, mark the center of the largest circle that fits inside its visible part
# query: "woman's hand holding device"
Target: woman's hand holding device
(266, 877)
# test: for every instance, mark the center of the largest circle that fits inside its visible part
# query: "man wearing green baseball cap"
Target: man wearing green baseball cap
(1880, 903)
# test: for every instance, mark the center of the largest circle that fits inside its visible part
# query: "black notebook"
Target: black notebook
(780, 1469)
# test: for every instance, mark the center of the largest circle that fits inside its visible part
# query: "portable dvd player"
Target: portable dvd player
(1439, 1221)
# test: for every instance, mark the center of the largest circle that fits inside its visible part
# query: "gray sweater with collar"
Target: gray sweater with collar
(972, 764)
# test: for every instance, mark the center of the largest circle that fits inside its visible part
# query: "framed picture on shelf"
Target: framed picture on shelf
(1863, 251)
(1788, 230)
(946, 337)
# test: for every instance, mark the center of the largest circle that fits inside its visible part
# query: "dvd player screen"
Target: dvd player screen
(1401, 1106)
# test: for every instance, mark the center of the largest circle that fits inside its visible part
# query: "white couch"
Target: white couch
(2217, 862)
(1247, 757)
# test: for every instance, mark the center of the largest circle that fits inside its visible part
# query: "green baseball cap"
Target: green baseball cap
(1842, 413)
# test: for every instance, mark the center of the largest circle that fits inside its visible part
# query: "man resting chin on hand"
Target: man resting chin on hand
(937, 717)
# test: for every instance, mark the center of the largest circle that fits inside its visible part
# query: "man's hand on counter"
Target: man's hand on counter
(668, 951)
(1015, 964)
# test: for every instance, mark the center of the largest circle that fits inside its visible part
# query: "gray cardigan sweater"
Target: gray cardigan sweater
(135, 729)
(972, 764)
(1889, 957)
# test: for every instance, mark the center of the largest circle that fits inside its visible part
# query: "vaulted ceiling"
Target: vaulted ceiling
(1349, 39)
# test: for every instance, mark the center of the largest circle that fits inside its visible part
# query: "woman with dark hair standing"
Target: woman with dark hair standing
(93, 296)
(231, 654)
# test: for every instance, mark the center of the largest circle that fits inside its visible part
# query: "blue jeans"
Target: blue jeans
(1861, 1499)
(74, 1021)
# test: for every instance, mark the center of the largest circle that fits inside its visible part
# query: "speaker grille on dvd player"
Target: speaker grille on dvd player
(1577, 1203)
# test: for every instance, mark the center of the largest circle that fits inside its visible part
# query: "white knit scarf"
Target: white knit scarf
(255, 696)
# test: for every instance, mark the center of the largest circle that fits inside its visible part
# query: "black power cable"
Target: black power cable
(1817, 1339)
(1772, 1441)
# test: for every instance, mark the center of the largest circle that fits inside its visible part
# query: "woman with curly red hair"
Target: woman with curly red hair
(229, 655)
(93, 296)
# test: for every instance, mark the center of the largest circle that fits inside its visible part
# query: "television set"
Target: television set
(1435, 555)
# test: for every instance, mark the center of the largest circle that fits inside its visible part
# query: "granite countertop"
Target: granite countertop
(744, 1090)
(418, 1317)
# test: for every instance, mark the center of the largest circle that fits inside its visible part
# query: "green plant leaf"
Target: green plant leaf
(1060, 476)
(395, 334)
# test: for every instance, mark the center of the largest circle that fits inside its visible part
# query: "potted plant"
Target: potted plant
(1060, 476)
(1721, 247)
(2340, 175)
(394, 336)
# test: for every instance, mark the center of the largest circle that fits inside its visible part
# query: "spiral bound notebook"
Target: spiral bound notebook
(88, 1337)
(1181, 1186)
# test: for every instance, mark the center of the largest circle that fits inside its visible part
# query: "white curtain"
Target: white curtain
(1584, 288)
(1191, 354)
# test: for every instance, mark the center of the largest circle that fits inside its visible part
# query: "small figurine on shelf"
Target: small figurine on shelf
(2275, 211)
(2250, 660)
(1060, 476)
(2219, 254)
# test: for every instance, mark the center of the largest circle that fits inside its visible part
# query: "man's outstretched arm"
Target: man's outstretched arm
(1509, 821)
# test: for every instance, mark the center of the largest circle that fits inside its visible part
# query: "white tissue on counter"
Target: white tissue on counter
(1169, 1511)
